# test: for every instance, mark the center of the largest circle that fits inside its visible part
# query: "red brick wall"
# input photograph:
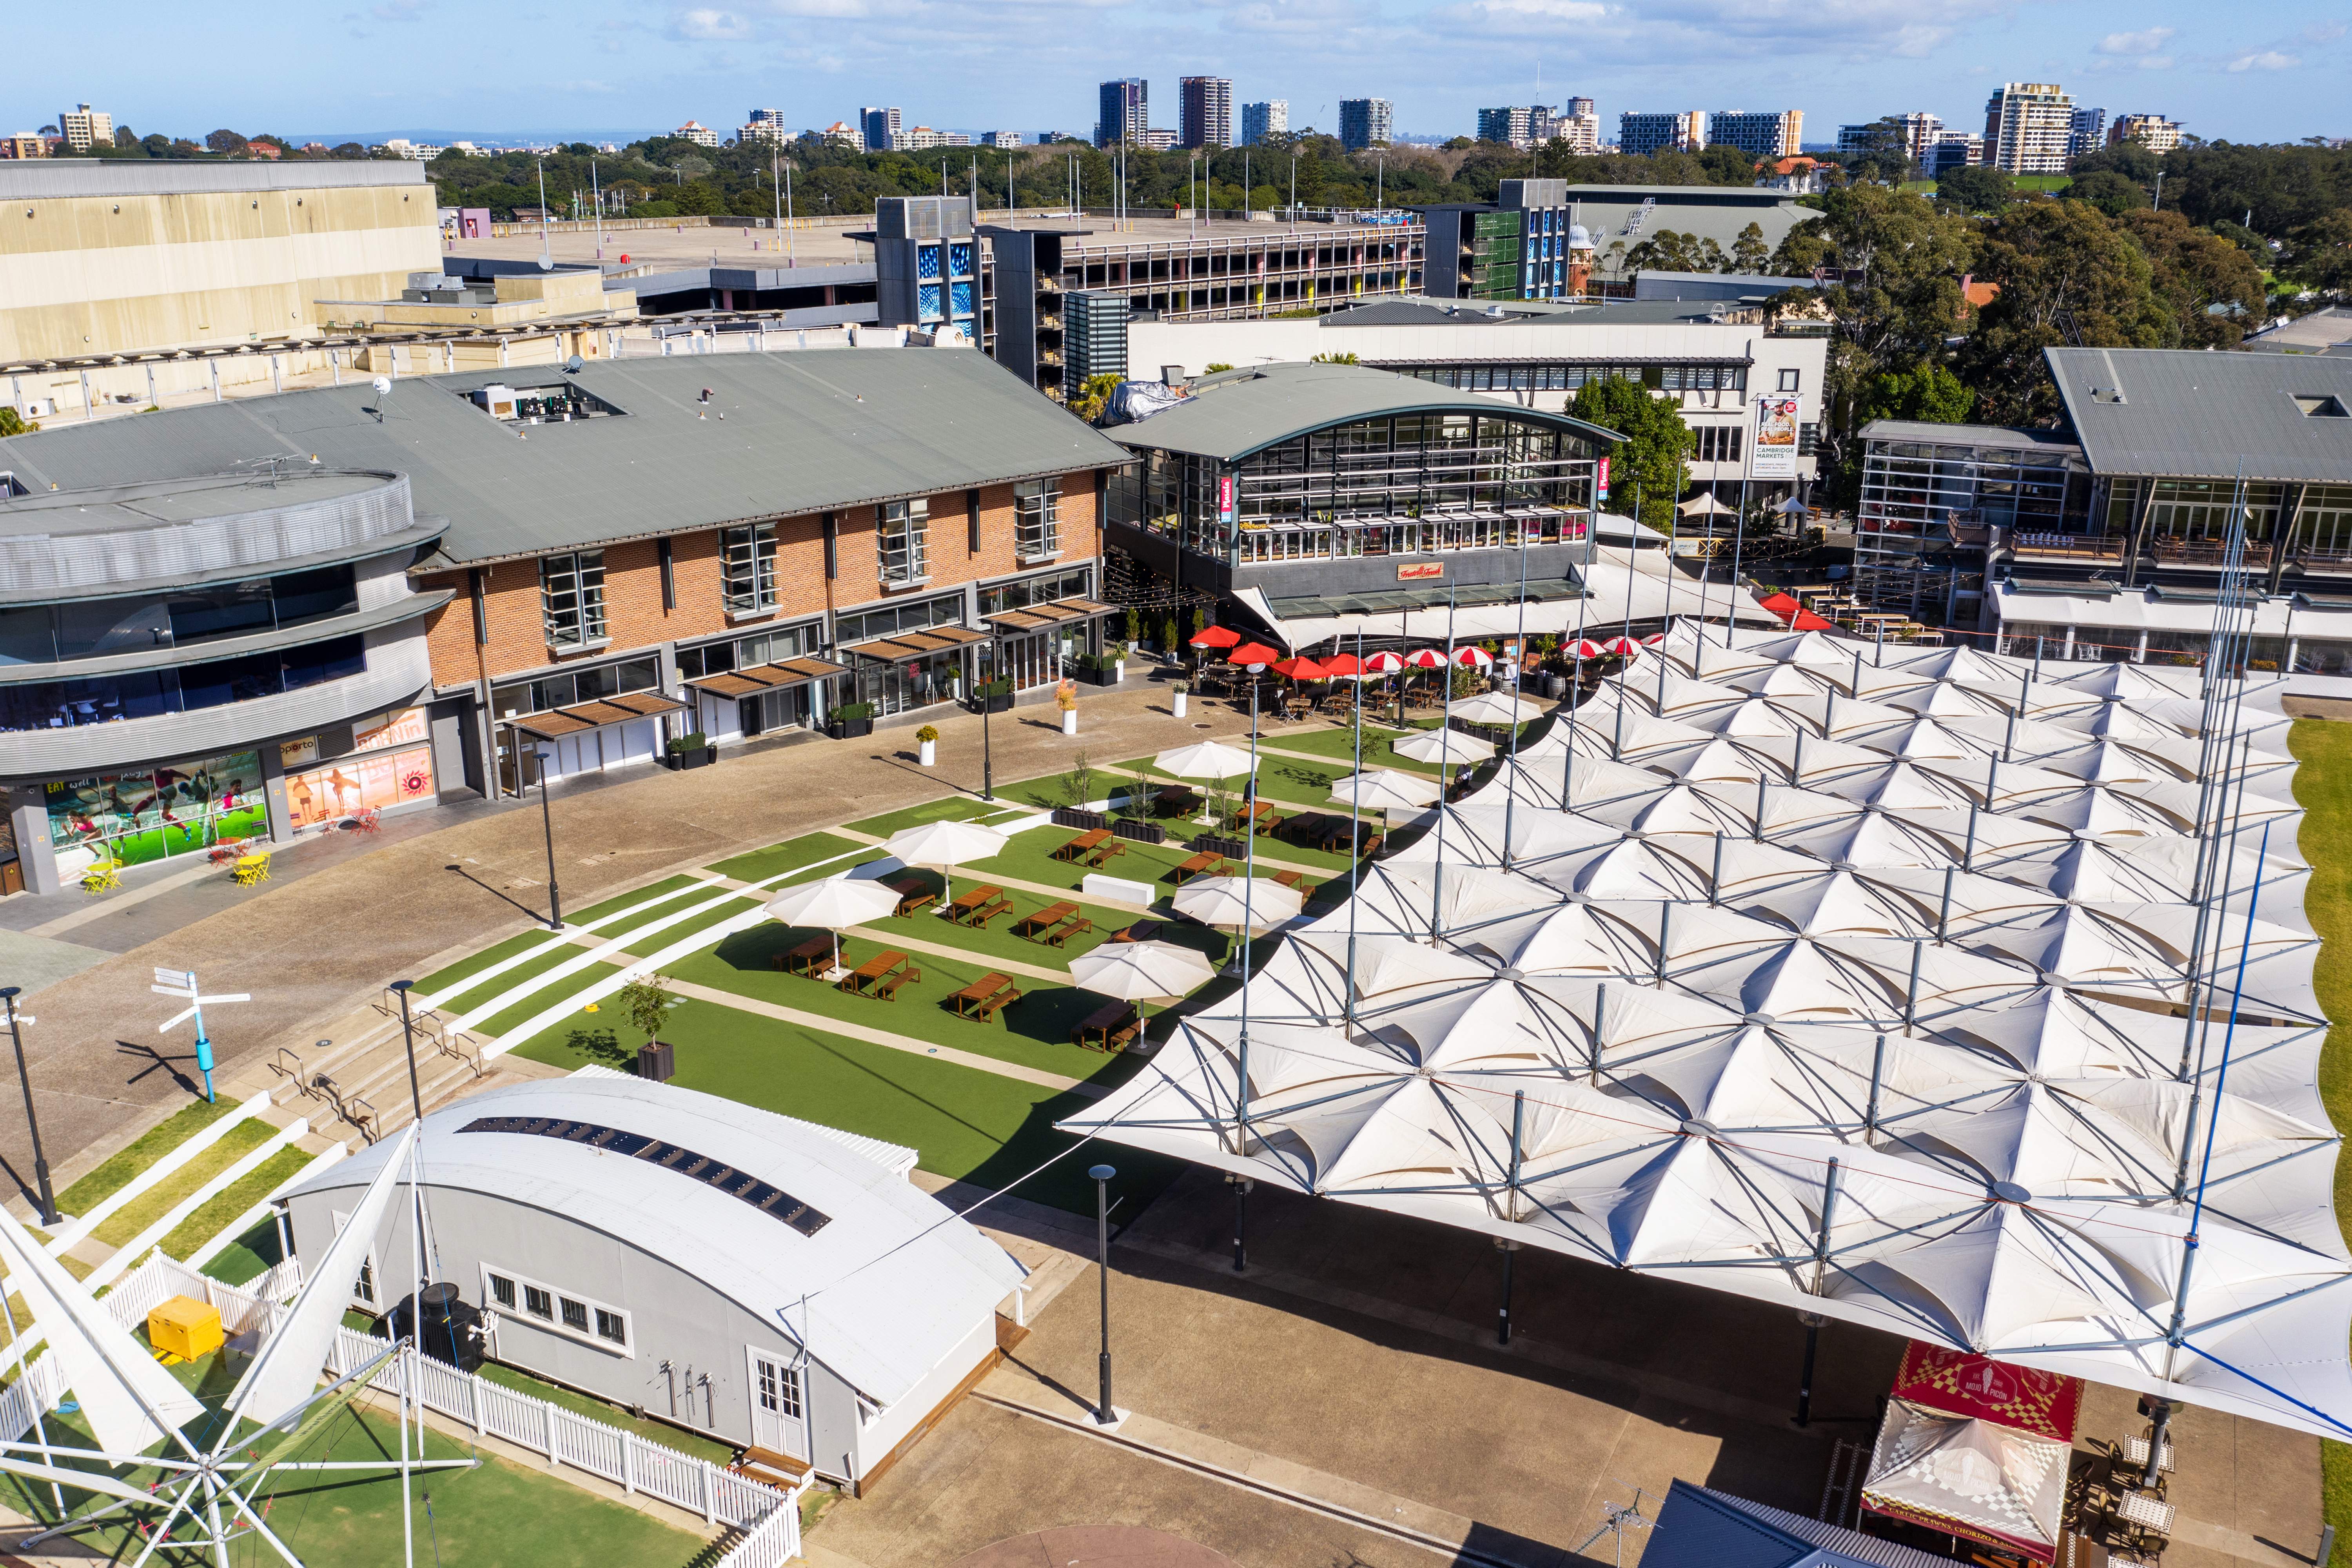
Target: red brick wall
(633, 600)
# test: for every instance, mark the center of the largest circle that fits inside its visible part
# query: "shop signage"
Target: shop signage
(299, 753)
(1225, 507)
(1776, 439)
(1421, 572)
(1601, 480)
(404, 727)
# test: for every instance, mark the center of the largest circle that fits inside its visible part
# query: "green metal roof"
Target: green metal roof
(1235, 414)
(782, 435)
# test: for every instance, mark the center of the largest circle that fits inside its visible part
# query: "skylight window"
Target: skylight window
(2328, 405)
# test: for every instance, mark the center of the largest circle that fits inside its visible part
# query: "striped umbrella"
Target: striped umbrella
(1424, 658)
(1472, 657)
(1384, 663)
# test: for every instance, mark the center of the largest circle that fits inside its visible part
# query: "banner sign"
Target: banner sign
(1421, 571)
(1601, 480)
(1225, 507)
(1776, 439)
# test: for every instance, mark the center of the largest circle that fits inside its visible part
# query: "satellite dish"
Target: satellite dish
(383, 387)
(575, 364)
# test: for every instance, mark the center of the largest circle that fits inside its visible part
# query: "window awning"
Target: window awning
(557, 722)
(915, 645)
(761, 678)
(1030, 618)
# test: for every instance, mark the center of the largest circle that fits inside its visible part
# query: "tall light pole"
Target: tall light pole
(408, 1044)
(40, 1161)
(1102, 1175)
(987, 700)
(546, 754)
(546, 259)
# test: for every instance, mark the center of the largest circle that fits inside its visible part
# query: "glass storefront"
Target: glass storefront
(150, 813)
(391, 764)
(898, 686)
(139, 694)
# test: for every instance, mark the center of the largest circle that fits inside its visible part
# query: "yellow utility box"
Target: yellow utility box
(184, 1327)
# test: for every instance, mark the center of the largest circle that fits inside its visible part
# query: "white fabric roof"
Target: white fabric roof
(1950, 963)
(890, 1289)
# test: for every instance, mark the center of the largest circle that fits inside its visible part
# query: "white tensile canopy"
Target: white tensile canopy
(1930, 1010)
(1963, 1473)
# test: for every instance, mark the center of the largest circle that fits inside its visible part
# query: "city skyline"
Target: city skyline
(821, 58)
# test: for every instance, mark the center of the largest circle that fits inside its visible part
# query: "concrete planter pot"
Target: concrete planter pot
(928, 751)
(1180, 703)
(1070, 721)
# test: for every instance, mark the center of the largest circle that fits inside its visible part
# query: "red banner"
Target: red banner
(2044, 1403)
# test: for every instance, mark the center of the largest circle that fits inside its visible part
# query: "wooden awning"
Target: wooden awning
(1031, 617)
(917, 645)
(559, 721)
(761, 678)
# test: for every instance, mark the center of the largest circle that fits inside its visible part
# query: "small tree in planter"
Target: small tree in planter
(691, 751)
(645, 1003)
(1168, 642)
(851, 720)
(1078, 783)
(1065, 697)
(1134, 625)
(927, 740)
(1183, 689)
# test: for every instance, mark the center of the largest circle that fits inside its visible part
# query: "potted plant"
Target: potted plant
(927, 740)
(850, 720)
(993, 696)
(1182, 689)
(644, 1003)
(693, 751)
(1065, 697)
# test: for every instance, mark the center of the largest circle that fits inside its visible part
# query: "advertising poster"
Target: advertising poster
(1775, 456)
(1601, 480)
(132, 818)
(406, 728)
(1225, 501)
(334, 791)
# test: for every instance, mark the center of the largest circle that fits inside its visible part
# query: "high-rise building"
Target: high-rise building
(1124, 112)
(1157, 139)
(1577, 123)
(1918, 130)
(2028, 126)
(1760, 133)
(1639, 135)
(762, 125)
(923, 139)
(84, 127)
(1260, 120)
(1205, 113)
(1511, 126)
(1000, 138)
(1953, 150)
(2154, 131)
(2089, 133)
(879, 127)
(1365, 122)
(694, 131)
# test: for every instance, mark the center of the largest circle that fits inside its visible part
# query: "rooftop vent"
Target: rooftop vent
(2107, 395)
(2325, 406)
(558, 404)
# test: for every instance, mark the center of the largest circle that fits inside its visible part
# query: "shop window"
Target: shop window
(1037, 519)
(902, 541)
(177, 809)
(748, 568)
(1041, 590)
(571, 598)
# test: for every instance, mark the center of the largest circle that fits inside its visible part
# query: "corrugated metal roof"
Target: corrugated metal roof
(890, 1289)
(2185, 414)
(784, 433)
(1699, 1527)
(1994, 436)
(1235, 413)
(31, 180)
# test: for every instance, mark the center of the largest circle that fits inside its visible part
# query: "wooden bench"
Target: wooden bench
(1084, 843)
(1107, 1029)
(1101, 854)
(1372, 843)
(886, 988)
(979, 906)
(872, 972)
(913, 894)
(1051, 914)
(1205, 861)
(1141, 930)
(1294, 879)
(809, 958)
(984, 997)
(1061, 934)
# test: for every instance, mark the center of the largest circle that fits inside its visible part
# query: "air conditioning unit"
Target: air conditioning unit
(498, 402)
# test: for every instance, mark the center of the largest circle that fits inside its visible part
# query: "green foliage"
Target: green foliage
(2067, 274)
(1200, 620)
(1167, 634)
(1748, 253)
(847, 711)
(1669, 251)
(1078, 783)
(1093, 397)
(1929, 394)
(1332, 359)
(1650, 458)
(694, 742)
(647, 1003)
(2113, 194)
(2319, 255)
(1214, 366)
(2191, 272)
(1134, 625)
(927, 732)
(1976, 190)
(12, 423)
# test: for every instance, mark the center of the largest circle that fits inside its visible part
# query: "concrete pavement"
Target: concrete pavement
(314, 948)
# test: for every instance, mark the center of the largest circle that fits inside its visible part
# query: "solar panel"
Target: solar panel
(715, 1174)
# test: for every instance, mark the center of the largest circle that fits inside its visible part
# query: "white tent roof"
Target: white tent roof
(1894, 1053)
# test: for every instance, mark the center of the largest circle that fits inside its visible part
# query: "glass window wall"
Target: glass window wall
(566, 686)
(93, 628)
(148, 813)
(902, 541)
(572, 596)
(748, 568)
(142, 694)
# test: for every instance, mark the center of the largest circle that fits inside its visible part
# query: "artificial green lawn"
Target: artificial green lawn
(963, 1123)
(116, 1171)
(499, 1515)
(221, 1209)
(503, 1023)
(792, 855)
(127, 1222)
(2323, 786)
(1030, 858)
(947, 808)
(249, 1257)
(506, 980)
(458, 973)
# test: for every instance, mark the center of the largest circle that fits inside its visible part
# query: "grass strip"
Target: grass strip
(127, 1222)
(947, 808)
(217, 1211)
(793, 854)
(117, 1170)
(247, 1257)
(499, 1024)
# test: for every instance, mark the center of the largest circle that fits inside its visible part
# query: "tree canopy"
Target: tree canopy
(1648, 462)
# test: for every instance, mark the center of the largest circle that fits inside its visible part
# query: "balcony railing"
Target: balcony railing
(2068, 546)
(2205, 551)
(2317, 558)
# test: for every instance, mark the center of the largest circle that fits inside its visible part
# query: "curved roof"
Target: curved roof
(1237, 413)
(880, 1290)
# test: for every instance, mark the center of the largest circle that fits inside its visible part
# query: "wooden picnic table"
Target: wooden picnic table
(1051, 915)
(978, 906)
(1175, 800)
(1082, 843)
(878, 972)
(984, 997)
(1104, 851)
(1294, 879)
(1332, 833)
(1107, 1029)
(913, 894)
(1204, 861)
(810, 956)
(1141, 930)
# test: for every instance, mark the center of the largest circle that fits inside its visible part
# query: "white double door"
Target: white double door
(779, 1421)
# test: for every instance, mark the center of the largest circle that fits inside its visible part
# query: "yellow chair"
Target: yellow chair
(103, 877)
(251, 869)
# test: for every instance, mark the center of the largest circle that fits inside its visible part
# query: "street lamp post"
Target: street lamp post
(546, 754)
(408, 1044)
(1102, 1175)
(40, 1161)
(988, 701)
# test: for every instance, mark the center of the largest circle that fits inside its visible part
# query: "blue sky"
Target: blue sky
(2271, 71)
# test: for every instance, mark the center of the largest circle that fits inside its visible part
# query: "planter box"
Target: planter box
(1085, 821)
(993, 704)
(1230, 848)
(1141, 832)
(849, 728)
(1107, 675)
(679, 761)
(656, 1062)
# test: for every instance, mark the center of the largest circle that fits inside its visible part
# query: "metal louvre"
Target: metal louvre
(582, 716)
(761, 678)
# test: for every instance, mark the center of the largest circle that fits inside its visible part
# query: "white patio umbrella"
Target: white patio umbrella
(1446, 748)
(1206, 760)
(1493, 708)
(945, 846)
(835, 903)
(1704, 506)
(1385, 789)
(1140, 971)
(1236, 901)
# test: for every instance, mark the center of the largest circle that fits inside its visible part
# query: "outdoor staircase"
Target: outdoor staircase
(361, 1080)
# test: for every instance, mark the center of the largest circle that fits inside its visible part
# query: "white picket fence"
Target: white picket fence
(769, 1519)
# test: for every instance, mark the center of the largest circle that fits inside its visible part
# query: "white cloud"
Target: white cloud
(2266, 60)
(707, 25)
(2142, 43)
(1522, 17)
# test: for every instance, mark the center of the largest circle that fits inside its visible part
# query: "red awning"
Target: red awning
(2047, 1404)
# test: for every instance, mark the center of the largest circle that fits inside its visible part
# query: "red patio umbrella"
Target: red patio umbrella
(1253, 655)
(1215, 636)
(1806, 621)
(1587, 648)
(1654, 639)
(1344, 664)
(1302, 669)
(1424, 658)
(1622, 645)
(1782, 606)
(1473, 657)
(1384, 663)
